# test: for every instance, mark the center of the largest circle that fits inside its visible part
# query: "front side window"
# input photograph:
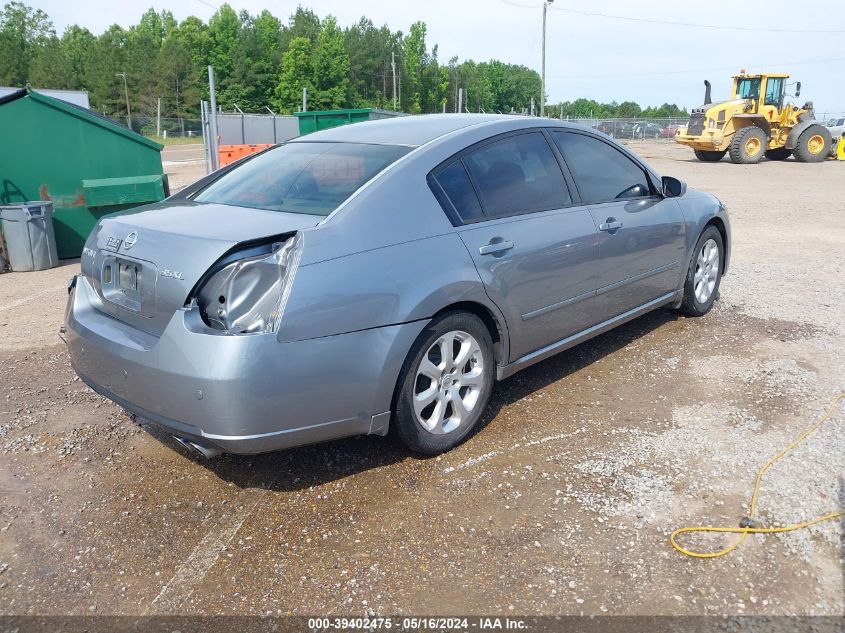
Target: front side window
(774, 91)
(302, 177)
(601, 172)
(518, 174)
(748, 89)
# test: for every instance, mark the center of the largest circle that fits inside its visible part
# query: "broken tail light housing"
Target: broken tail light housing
(249, 295)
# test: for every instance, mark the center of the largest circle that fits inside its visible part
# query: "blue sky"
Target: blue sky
(587, 56)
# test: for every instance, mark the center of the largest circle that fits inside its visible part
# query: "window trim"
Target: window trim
(448, 206)
(649, 176)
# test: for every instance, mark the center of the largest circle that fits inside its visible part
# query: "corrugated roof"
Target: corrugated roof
(81, 113)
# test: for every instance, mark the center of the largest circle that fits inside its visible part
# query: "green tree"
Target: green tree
(330, 67)
(106, 90)
(23, 32)
(78, 46)
(261, 60)
(303, 23)
(415, 59)
(224, 27)
(370, 74)
(296, 74)
(49, 66)
(627, 109)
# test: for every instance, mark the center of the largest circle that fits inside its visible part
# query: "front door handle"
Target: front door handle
(611, 224)
(494, 246)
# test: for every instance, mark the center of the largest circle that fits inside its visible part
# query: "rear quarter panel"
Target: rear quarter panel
(385, 286)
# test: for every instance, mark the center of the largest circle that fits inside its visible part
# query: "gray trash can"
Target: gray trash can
(28, 230)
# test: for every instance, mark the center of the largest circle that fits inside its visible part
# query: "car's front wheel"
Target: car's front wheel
(704, 275)
(445, 383)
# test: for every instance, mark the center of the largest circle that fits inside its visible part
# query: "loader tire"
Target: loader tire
(780, 153)
(813, 145)
(709, 157)
(747, 146)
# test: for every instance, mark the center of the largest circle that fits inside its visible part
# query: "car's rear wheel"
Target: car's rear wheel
(704, 275)
(445, 384)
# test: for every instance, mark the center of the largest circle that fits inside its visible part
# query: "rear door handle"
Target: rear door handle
(610, 224)
(495, 247)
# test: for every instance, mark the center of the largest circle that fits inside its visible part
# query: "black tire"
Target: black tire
(406, 424)
(813, 144)
(747, 146)
(709, 157)
(778, 154)
(690, 305)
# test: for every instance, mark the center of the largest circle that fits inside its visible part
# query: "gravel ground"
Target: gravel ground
(562, 504)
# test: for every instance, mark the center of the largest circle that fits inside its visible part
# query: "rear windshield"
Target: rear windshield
(312, 178)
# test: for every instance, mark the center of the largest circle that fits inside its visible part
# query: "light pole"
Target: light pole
(546, 4)
(126, 92)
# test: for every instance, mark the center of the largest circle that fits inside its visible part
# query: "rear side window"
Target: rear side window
(601, 172)
(456, 185)
(518, 174)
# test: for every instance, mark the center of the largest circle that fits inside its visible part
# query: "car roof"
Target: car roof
(411, 131)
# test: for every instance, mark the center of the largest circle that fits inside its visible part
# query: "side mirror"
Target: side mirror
(798, 90)
(672, 187)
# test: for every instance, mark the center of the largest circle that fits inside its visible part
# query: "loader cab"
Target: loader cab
(766, 92)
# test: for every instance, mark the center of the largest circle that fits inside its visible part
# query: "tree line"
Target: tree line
(262, 63)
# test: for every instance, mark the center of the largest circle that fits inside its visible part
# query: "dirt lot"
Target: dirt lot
(561, 505)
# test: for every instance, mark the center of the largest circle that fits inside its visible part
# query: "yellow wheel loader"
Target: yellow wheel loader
(755, 122)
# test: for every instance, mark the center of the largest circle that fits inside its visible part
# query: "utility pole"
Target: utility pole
(393, 67)
(460, 100)
(305, 98)
(546, 4)
(126, 92)
(158, 117)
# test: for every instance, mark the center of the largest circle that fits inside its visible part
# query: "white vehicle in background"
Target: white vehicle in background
(836, 127)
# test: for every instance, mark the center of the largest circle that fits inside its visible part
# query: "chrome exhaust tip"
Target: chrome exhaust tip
(205, 451)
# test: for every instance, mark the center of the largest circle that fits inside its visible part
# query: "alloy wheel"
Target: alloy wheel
(448, 382)
(706, 271)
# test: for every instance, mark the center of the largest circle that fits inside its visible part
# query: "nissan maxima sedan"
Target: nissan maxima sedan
(381, 276)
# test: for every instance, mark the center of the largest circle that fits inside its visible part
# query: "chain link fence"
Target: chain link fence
(636, 128)
(664, 129)
(266, 128)
(163, 127)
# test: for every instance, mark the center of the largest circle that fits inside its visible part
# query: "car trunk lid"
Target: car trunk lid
(144, 263)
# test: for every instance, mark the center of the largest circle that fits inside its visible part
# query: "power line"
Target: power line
(528, 59)
(699, 70)
(521, 6)
(693, 25)
(208, 4)
(630, 18)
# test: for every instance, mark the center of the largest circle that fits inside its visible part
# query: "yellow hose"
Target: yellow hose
(745, 531)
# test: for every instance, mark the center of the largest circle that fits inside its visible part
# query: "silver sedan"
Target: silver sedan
(381, 276)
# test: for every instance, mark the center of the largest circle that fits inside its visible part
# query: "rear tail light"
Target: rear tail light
(248, 296)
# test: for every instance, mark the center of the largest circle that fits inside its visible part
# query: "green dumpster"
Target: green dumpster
(314, 120)
(87, 165)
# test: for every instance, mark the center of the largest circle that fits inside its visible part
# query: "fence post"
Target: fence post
(213, 120)
(205, 135)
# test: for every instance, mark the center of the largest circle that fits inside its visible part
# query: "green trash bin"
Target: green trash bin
(28, 231)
